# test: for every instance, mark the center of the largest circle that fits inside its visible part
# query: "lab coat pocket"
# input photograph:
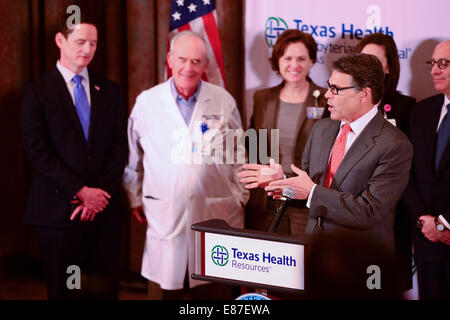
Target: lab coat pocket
(159, 216)
(213, 144)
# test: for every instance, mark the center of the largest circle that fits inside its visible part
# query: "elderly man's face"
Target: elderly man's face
(188, 62)
(441, 77)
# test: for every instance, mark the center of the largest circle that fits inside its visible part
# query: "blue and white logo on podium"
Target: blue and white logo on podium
(220, 255)
(254, 260)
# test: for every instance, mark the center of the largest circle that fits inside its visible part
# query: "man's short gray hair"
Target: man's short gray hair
(181, 34)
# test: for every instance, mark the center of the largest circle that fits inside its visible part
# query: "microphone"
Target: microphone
(321, 212)
(287, 195)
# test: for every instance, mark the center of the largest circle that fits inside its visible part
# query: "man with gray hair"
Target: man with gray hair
(173, 178)
(427, 194)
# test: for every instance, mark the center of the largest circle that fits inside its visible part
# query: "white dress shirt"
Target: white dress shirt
(68, 76)
(443, 111)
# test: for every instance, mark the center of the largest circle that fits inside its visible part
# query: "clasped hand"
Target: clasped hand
(91, 202)
(431, 233)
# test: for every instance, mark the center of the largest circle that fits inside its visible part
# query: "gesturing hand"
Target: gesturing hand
(260, 175)
(302, 185)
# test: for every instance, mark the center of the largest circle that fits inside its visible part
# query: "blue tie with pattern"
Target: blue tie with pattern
(82, 104)
(442, 136)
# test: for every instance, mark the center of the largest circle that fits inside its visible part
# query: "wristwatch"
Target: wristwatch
(439, 225)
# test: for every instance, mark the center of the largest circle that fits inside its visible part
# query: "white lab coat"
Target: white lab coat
(172, 173)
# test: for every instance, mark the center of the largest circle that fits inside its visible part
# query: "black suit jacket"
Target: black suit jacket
(401, 108)
(63, 160)
(428, 189)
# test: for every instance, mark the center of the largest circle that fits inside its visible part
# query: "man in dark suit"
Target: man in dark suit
(74, 132)
(427, 195)
(355, 164)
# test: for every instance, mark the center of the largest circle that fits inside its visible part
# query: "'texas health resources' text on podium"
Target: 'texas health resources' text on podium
(249, 258)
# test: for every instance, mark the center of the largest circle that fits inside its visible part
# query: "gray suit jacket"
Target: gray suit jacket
(368, 183)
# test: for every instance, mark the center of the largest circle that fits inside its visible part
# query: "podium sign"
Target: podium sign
(245, 257)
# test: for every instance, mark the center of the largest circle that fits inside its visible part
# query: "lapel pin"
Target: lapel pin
(97, 87)
(387, 108)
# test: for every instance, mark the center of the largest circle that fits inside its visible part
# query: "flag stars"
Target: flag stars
(206, 2)
(180, 3)
(192, 8)
(176, 16)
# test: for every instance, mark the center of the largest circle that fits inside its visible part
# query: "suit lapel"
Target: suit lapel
(436, 113)
(171, 109)
(307, 124)
(272, 108)
(429, 140)
(360, 147)
(203, 99)
(64, 96)
(327, 141)
(445, 160)
(97, 104)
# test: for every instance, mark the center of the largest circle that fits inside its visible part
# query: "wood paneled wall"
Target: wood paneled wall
(133, 37)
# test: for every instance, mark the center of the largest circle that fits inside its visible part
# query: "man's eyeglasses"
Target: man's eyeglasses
(441, 63)
(335, 90)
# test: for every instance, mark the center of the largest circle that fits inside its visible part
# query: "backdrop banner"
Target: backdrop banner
(416, 26)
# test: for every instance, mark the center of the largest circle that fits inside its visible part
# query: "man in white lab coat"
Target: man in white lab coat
(181, 168)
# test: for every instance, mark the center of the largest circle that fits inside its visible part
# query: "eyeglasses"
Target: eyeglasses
(441, 63)
(335, 90)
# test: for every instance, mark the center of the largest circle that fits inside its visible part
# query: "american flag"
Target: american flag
(200, 16)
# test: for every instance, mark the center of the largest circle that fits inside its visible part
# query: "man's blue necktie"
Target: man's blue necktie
(442, 136)
(82, 104)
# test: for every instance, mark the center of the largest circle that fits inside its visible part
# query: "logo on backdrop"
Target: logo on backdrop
(335, 39)
(219, 255)
(274, 27)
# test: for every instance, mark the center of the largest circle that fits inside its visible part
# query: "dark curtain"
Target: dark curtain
(133, 37)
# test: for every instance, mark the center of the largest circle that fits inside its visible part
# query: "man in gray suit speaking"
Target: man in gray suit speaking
(355, 164)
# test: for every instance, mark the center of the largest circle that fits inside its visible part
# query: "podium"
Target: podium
(249, 258)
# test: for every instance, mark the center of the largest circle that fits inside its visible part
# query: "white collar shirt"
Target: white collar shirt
(358, 126)
(443, 111)
(68, 76)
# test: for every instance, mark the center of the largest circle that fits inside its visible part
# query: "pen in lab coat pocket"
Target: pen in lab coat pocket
(151, 197)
